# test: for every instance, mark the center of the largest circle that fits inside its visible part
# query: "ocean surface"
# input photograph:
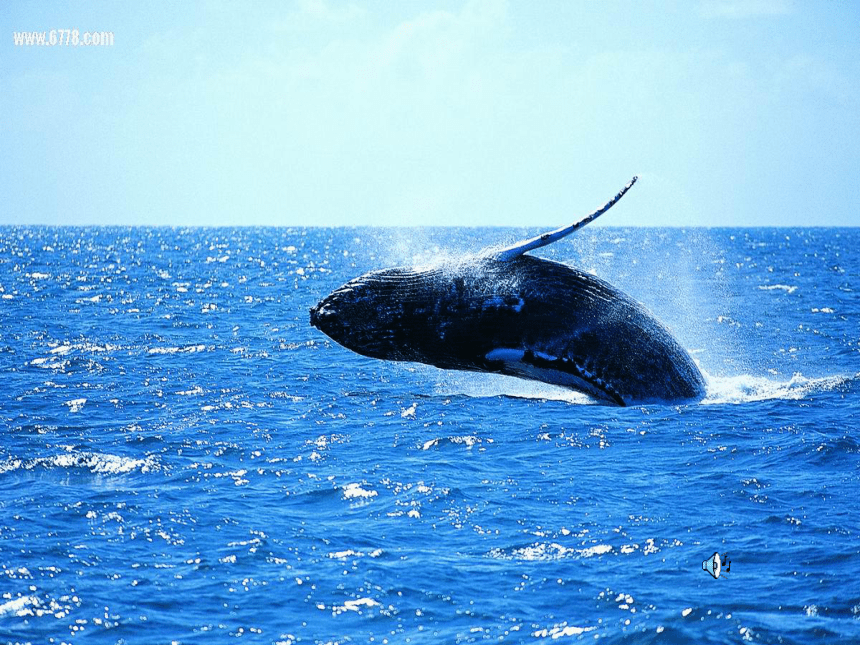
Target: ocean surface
(185, 459)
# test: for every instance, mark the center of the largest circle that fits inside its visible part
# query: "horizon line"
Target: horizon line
(420, 226)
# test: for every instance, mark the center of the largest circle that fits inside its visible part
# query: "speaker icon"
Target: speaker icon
(715, 565)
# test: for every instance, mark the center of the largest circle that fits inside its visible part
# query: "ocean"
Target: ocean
(185, 459)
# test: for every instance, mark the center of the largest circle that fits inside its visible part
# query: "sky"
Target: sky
(465, 113)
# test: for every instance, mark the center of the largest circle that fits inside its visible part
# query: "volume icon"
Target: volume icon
(714, 565)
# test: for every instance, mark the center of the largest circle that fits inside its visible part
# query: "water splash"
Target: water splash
(743, 388)
(746, 388)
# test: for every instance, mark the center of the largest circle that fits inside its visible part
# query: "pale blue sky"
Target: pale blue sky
(485, 112)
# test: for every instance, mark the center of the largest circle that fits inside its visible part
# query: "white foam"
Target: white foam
(467, 440)
(75, 405)
(195, 391)
(10, 465)
(66, 347)
(781, 287)
(743, 388)
(98, 463)
(597, 549)
(353, 605)
(559, 631)
(358, 603)
(189, 349)
(19, 606)
(349, 553)
(355, 491)
(746, 388)
(49, 363)
(551, 551)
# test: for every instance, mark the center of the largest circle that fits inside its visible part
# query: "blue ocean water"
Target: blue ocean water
(183, 458)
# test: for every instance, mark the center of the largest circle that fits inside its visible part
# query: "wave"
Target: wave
(549, 551)
(96, 463)
(720, 390)
(458, 440)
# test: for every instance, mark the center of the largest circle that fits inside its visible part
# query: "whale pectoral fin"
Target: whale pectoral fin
(537, 366)
(516, 250)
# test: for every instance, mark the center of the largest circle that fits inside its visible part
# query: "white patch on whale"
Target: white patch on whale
(585, 381)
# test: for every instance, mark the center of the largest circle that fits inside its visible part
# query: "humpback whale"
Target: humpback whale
(506, 312)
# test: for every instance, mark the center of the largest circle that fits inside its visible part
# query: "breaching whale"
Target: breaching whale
(506, 312)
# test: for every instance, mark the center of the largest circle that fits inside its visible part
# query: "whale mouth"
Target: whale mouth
(529, 364)
(327, 319)
(321, 318)
(316, 315)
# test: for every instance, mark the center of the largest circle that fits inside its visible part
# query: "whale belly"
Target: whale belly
(538, 366)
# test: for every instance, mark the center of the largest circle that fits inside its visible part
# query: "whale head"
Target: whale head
(366, 316)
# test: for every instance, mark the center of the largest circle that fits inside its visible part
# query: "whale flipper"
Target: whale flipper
(562, 371)
(516, 250)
